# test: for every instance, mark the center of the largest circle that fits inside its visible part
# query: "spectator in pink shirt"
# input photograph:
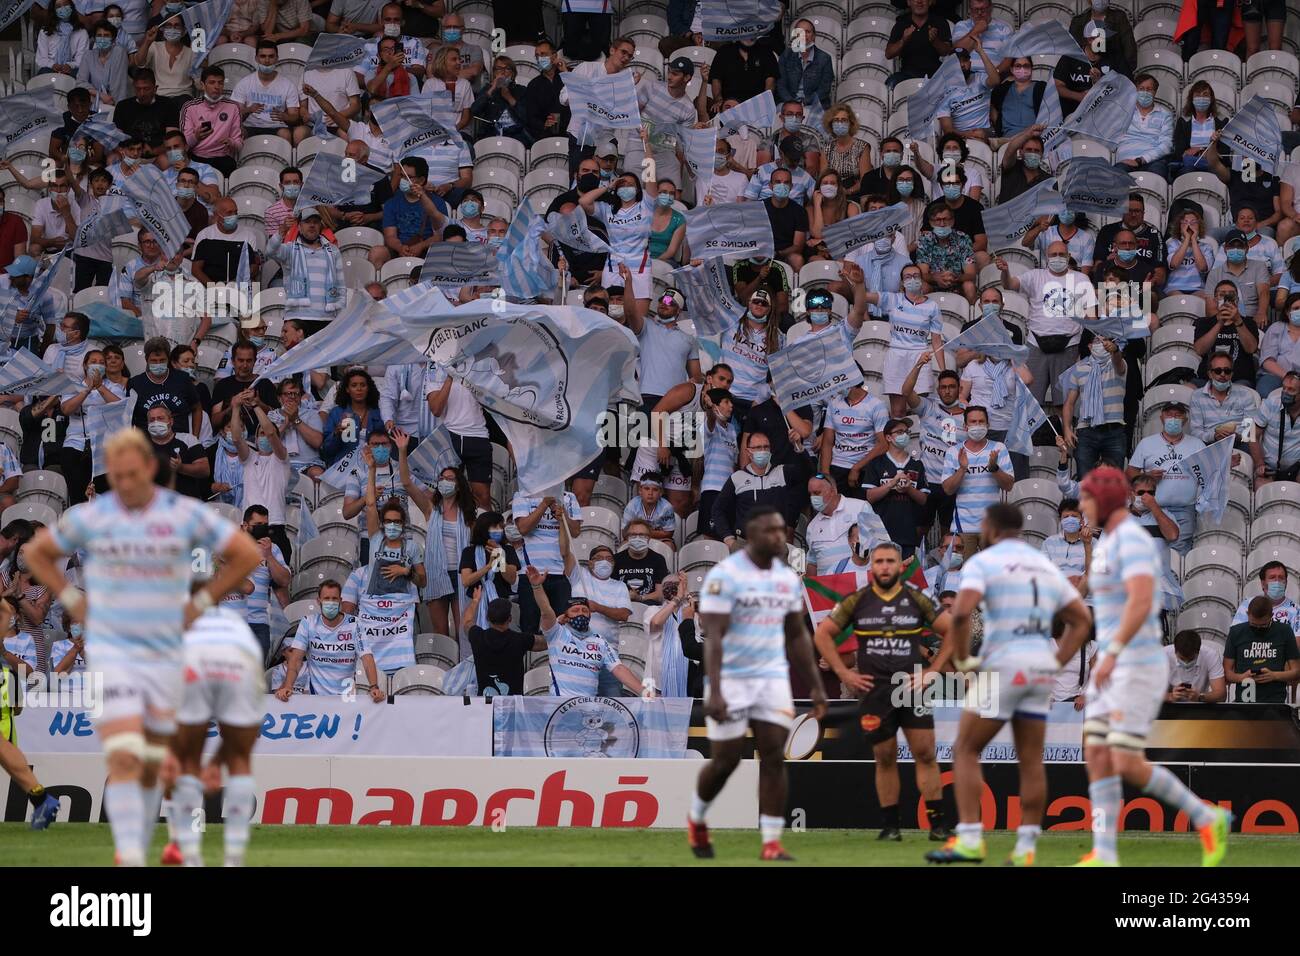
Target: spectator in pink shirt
(211, 123)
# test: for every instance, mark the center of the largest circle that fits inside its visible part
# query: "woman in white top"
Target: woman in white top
(443, 72)
(470, 216)
(75, 457)
(1194, 128)
(60, 44)
(627, 213)
(170, 60)
(1188, 253)
(953, 152)
(909, 188)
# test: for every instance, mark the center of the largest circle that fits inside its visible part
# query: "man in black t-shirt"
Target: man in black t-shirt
(639, 568)
(159, 383)
(1150, 243)
(243, 357)
(1261, 655)
(1074, 78)
(789, 220)
(146, 115)
(498, 650)
(920, 40)
(897, 488)
(181, 456)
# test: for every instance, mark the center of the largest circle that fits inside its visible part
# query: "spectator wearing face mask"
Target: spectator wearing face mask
(640, 570)
(833, 515)
(1144, 255)
(181, 456)
(1101, 18)
(1070, 549)
(853, 435)
(1277, 453)
(281, 211)
(1261, 656)
(269, 102)
(758, 482)
(212, 123)
(727, 184)
(1188, 252)
(898, 488)
(1219, 408)
(104, 68)
(944, 566)
(607, 599)
(1160, 456)
(1022, 164)
(1195, 671)
(965, 109)
(327, 649)
(946, 257)
(547, 116)
(761, 275)
(674, 653)
(56, 217)
(915, 326)
(576, 669)
(1096, 393)
(1250, 276)
(1149, 140)
(881, 179)
(1273, 578)
(96, 390)
(1279, 350)
(975, 472)
(1225, 331)
(789, 159)
(1014, 104)
(1067, 226)
(488, 568)
(171, 60)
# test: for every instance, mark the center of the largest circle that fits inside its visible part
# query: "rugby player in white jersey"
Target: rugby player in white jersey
(140, 542)
(223, 682)
(1022, 591)
(752, 612)
(1129, 678)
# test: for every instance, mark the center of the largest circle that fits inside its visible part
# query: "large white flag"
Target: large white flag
(726, 21)
(736, 229)
(155, 207)
(1254, 133)
(103, 421)
(709, 299)
(1103, 114)
(925, 102)
(813, 369)
(1050, 117)
(12, 10)
(450, 265)
(1027, 416)
(849, 235)
(701, 146)
(25, 114)
(409, 126)
(989, 337)
(1092, 184)
(757, 113)
(25, 374)
(334, 181)
(204, 23)
(572, 230)
(1211, 468)
(1042, 38)
(600, 103)
(334, 51)
(1006, 223)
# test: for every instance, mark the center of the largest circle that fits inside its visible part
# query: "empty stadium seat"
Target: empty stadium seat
(1036, 489)
(537, 682)
(500, 153)
(437, 649)
(701, 553)
(1274, 66)
(297, 610)
(32, 511)
(270, 151)
(418, 679)
(396, 273)
(44, 487)
(1215, 65)
(610, 492)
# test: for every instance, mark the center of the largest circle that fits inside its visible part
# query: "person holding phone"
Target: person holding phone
(897, 488)
(1261, 656)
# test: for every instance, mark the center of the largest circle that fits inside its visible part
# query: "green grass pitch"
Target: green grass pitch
(85, 844)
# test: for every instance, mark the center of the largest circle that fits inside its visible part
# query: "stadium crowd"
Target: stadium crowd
(596, 588)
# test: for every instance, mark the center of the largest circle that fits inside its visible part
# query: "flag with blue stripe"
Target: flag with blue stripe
(350, 466)
(925, 102)
(204, 23)
(712, 306)
(1050, 117)
(26, 114)
(601, 102)
(525, 273)
(727, 21)
(307, 529)
(327, 182)
(100, 128)
(107, 322)
(409, 126)
(450, 265)
(989, 337)
(25, 374)
(757, 113)
(857, 232)
(1092, 184)
(590, 727)
(1120, 327)
(1254, 133)
(155, 206)
(1006, 223)
(1043, 38)
(1211, 468)
(432, 455)
(1027, 416)
(319, 127)
(111, 219)
(941, 576)
(701, 145)
(571, 228)
(812, 370)
(12, 10)
(734, 229)
(101, 422)
(334, 51)
(1103, 114)
(871, 530)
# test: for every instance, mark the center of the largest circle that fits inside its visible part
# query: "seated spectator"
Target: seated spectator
(898, 489)
(13, 234)
(1195, 671)
(804, 71)
(1257, 191)
(1150, 244)
(909, 189)
(1279, 349)
(1272, 582)
(1277, 456)
(881, 179)
(1259, 247)
(1148, 511)
(793, 144)
(953, 155)
(1070, 549)
(667, 225)
(60, 44)
(965, 109)
(313, 268)
(847, 155)
(790, 159)
(789, 221)
(1188, 253)
(328, 647)
(186, 192)
(472, 67)
(1261, 656)
(176, 158)
(104, 68)
(269, 102)
(727, 184)
(292, 21)
(1221, 406)
(980, 27)
(444, 74)
(1194, 130)
(1022, 163)
(301, 425)
(1013, 106)
(171, 61)
(180, 456)
(413, 218)
(146, 114)
(1066, 226)
(1250, 276)
(966, 212)
(1160, 456)
(650, 506)
(502, 107)
(1096, 393)
(743, 70)
(390, 78)
(833, 515)
(80, 106)
(641, 570)
(1225, 331)
(1101, 18)
(946, 258)
(211, 124)
(919, 40)
(247, 17)
(1147, 143)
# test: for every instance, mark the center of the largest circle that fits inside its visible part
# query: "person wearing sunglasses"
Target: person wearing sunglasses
(1219, 408)
(1224, 329)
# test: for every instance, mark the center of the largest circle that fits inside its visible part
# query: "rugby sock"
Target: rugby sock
(187, 799)
(699, 807)
(152, 806)
(770, 828)
(124, 804)
(169, 817)
(239, 817)
(1168, 789)
(890, 813)
(970, 835)
(36, 796)
(933, 813)
(1106, 795)
(1027, 839)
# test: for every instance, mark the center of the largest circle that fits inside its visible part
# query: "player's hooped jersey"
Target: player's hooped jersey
(137, 569)
(1120, 555)
(758, 601)
(218, 627)
(1022, 591)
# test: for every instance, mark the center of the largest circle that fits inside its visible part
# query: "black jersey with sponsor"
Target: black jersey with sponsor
(889, 627)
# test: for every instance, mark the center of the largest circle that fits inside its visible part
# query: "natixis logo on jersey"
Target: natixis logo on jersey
(592, 727)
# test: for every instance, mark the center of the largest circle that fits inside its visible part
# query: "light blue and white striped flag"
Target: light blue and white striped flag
(709, 300)
(734, 229)
(925, 102)
(757, 113)
(989, 337)
(351, 465)
(325, 185)
(727, 21)
(334, 51)
(1119, 327)
(101, 129)
(1254, 133)
(450, 265)
(307, 529)
(111, 219)
(1043, 38)
(1027, 416)
(552, 727)
(1103, 115)
(572, 229)
(155, 207)
(204, 23)
(243, 272)
(940, 582)
(871, 530)
(812, 370)
(600, 103)
(26, 114)
(1211, 467)
(525, 273)
(1050, 118)
(103, 421)
(12, 10)
(409, 127)
(25, 374)
(431, 456)
(1092, 184)
(857, 232)
(318, 125)
(109, 323)
(1007, 222)
(700, 146)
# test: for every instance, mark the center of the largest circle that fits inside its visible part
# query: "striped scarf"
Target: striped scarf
(997, 372)
(1093, 408)
(673, 666)
(298, 288)
(436, 571)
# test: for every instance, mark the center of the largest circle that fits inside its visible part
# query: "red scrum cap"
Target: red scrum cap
(1108, 487)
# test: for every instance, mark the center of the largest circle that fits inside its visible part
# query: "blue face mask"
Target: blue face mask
(496, 242)
(942, 232)
(952, 190)
(76, 155)
(264, 444)
(257, 340)
(762, 458)
(64, 13)
(1126, 255)
(291, 191)
(893, 159)
(392, 530)
(840, 128)
(381, 454)
(1201, 103)
(626, 193)
(266, 70)
(1033, 160)
(1071, 525)
(330, 609)
(818, 503)
(1251, 235)
(1236, 255)
(1221, 384)
(781, 190)
(404, 185)
(230, 222)
(1276, 590)
(451, 35)
(905, 188)
(819, 317)
(76, 630)
(469, 209)
(158, 370)
(1174, 427)
(1066, 217)
(497, 536)
(543, 63)
(103, 44)
(664, 199)
(1145, 98)
(990, 310)
(792, 124)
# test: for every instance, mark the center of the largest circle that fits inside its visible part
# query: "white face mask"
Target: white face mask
(1098, 350)
(977, 432)
(638, 542)
(392, 29)
(602, 569)
(1058, 264)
